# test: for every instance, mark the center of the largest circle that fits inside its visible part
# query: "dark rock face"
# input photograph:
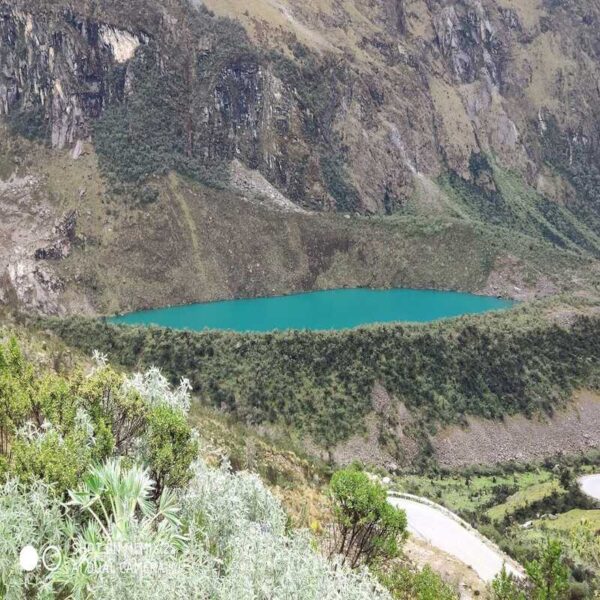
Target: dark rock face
(395, 16)
(55, 72)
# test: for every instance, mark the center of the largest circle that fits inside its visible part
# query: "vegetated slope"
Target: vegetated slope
(103, 468)
(321, 384)
(476, 116)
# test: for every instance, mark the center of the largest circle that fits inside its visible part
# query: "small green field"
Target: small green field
(527, 495)
(568, 521)
(465, 493)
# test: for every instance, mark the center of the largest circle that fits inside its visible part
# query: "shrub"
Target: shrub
(407, 584)
(123, 533)
(222, 537)
(30, 122)
(338, 182)
(244, 528)
(367, 527)
(548, 578)
(169, 447)
(52, 458)
(146, 134)
(28, 515)
(52, 427)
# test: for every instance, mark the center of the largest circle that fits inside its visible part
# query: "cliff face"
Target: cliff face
(483, 111)
(341, 105)
(55, 72)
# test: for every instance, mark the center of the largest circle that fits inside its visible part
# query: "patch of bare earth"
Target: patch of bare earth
(572, 430)
(388, 417)
(450, 569)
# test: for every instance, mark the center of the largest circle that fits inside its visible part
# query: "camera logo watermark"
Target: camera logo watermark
(29, 558)
(121, 557)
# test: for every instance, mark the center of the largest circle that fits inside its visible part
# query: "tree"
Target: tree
(548, 574)
(566, 477)
(367, 526)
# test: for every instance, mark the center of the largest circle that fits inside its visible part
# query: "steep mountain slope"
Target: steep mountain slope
(467, 127)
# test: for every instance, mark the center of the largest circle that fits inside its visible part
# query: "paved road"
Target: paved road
(590, 485)
(441, 531)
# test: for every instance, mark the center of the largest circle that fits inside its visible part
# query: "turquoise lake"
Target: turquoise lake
(327, 310)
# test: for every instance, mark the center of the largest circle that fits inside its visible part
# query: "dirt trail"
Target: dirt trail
(440, 529)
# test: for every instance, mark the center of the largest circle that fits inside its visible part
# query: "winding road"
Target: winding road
(590, 485)
(440, 528)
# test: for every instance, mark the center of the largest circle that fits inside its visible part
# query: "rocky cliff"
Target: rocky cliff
(476, 114)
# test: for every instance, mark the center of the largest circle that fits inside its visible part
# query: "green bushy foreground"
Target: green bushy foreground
(223, 536)
(104, 469)
(517, 361)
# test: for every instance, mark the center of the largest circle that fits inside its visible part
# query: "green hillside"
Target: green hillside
(518, 361)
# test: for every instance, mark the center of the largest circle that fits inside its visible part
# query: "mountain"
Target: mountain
(174, 151)
(163, 152)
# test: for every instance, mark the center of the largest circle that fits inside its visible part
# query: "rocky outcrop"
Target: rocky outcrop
(61, 247)
(55, 70)
(468, 41)
(24, 224)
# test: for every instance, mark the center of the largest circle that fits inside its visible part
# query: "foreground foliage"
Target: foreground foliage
(407, 584)
(223, 537)
(548, 578)
(128, 510)
(54, 427)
